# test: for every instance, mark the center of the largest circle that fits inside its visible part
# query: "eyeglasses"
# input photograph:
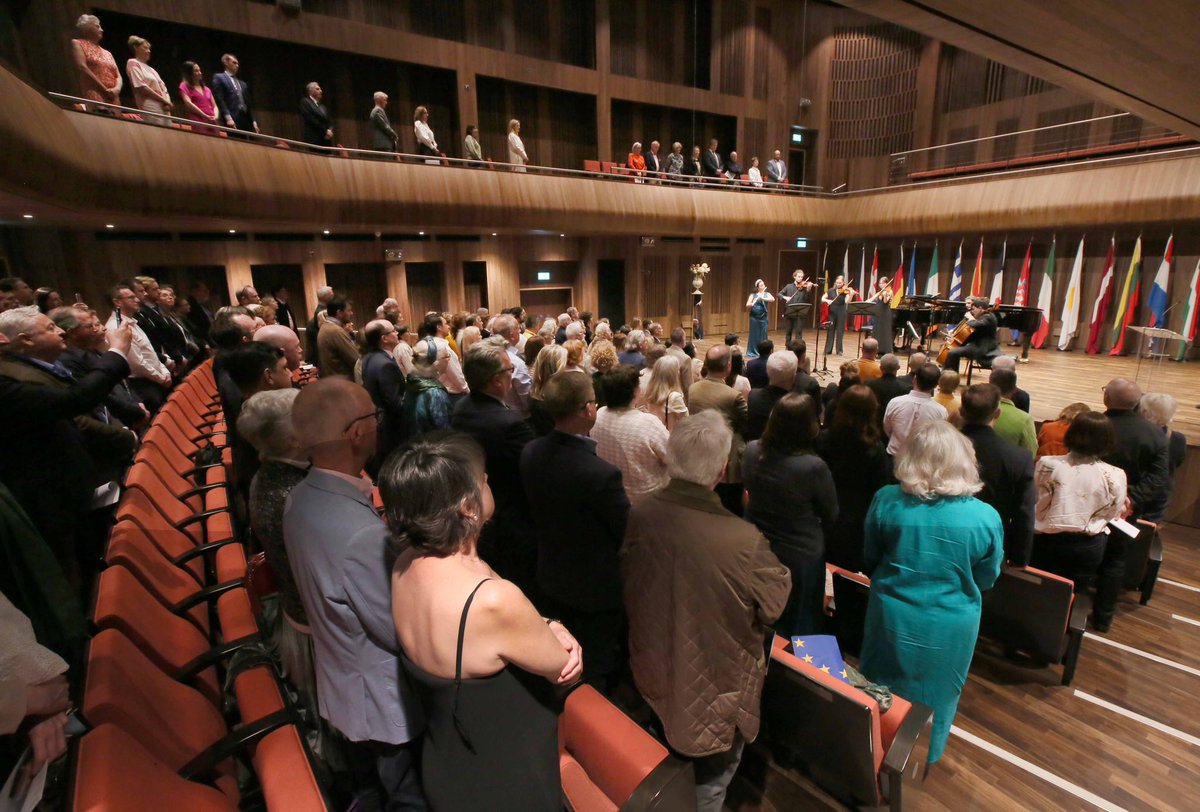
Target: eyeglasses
(377, 414)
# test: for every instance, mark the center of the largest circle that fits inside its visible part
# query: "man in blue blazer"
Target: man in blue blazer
(233, 96)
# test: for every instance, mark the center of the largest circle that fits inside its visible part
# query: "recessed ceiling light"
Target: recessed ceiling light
(420, 233)
(326, 231)
(562, 235)
(493, 234)
(27, 216)
(109, 225)
(233, 231)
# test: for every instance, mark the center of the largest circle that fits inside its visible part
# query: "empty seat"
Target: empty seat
(608, 762)
(836, 733)
(1037, 613)
(851, 592)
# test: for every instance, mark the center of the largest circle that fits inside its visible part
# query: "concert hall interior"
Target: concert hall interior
(963, 180)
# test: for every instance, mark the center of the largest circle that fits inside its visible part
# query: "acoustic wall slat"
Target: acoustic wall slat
(655, 280)
(761, 74)
(873, 93)
(734, 51)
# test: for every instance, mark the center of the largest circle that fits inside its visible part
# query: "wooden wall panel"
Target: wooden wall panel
(557, 128)
(639, 122)
(761, 73)
(656, 281)
(733, 46)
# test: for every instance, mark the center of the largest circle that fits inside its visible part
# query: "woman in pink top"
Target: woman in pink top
(198, 103)
(98, 75)
(149, 90)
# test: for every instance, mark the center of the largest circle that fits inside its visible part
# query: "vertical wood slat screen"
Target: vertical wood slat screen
(716, 287)
(873, 91)
(622, 37)
(655, 281)
(1060, 138)
(761, 76)
(734, 33)
(363, 283)
(755, 144)
(426, 290)
(968, 80)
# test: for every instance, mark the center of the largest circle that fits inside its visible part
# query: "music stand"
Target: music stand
(1153, 369)
(860, 309)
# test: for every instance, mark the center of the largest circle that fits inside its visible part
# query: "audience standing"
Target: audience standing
(701, 586)
(1013, 424)
(197, 98)
(906, 413)
(932, 549)
(232, 95)
(383, 380)
(781, 376)
(711, 392)
(427, 404)
(426, 144)
(149, 90)
(149, 377)
(1159, 409)
(317, 125)
(1052, 436)
(472, 150)
(517, 156)
(947, 393)
(99, 78)
(336, 353)
(632, 440)
(1020, 397)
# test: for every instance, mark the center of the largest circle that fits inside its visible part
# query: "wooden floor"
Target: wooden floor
(1054, 379)
(1072, 752)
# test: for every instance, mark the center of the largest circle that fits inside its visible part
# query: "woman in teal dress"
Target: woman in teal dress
(757, 305)
(932, 549)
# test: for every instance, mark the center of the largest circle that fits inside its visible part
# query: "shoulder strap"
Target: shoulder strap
(462, 628)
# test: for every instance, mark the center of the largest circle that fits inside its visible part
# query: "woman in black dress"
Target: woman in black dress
(837, 297)
(484, 663)
(883, 330)
(857, 457)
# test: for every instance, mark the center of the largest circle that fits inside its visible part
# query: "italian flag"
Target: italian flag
(1127, 305)
(1190, 312)
(1045, 299)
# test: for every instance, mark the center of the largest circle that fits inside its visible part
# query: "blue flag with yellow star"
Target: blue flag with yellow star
(822, 652)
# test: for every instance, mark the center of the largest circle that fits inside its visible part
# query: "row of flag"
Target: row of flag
(1122, 304)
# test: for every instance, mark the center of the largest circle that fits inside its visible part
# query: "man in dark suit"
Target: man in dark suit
(383, 137)
(503, 433)
(887, 386)
(233, 96)
(283, 311)
(710, 162)
(781, 371)
(756, 368)
(86, 342)
(200, 315)
(1006, 470)
(653, 163)
(324, 296)
(1143, 454)
(982, 344)
(916, 360)
(318, 127)
(805, 384)
(382, 378)
(579, 512)
(46, 461)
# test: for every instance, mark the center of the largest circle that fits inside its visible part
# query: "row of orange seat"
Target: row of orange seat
(178, 691)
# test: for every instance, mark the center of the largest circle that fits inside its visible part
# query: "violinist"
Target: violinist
(837, 297)
(794, 294)
(882, 330)
(982, 342)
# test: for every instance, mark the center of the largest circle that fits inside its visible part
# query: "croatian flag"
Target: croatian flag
(1158, 292)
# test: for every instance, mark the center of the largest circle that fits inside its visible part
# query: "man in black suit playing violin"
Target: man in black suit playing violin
(982, 342)
(794, 294)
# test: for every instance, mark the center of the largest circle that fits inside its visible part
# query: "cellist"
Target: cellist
(982, 342)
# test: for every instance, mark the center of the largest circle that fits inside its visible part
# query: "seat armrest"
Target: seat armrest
(236, 742)
(670, 785)
(206, 595)
(905, 759)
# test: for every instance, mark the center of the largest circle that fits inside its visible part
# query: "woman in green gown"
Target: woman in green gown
(932, 549)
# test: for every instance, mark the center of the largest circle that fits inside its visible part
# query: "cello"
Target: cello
(960, 335)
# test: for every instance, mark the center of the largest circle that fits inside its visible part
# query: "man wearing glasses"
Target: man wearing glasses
(149, 378)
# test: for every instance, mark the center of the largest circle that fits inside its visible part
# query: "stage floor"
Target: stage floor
(1054, 379)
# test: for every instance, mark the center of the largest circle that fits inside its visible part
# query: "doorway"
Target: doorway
(364, 284)
(611, 281)
(547, 302)
(475, 293)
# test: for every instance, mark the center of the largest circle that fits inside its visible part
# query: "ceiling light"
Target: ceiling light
(420, 233)
(233, 231)
(27, 216)
(562, 235)
(493, 234)
(109, 225)
(326, 231)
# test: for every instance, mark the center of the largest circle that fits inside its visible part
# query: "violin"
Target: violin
(846, 290)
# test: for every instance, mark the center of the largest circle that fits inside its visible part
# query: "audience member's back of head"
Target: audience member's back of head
(1157, 407)
(855, 415)
(483, 362)
(325, 408)
(431, 491)
(926, 377)
(336, 307)
(699, 448)
(1122, 394)
(1090, 435)
(266, 422)
(226, 332)
(781, 369)
(620, 385)
(765, 347)
(730, 339)
(889, 364)
(717, 360)
(948, 382)
(566, 393)
(1005, 380)
(246, 363)
(792, 426)
(979, 404)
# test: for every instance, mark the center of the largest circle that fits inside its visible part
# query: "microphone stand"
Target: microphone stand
(827, 328)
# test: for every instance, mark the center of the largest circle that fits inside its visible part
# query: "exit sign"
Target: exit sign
(802, 242)
(543, 276)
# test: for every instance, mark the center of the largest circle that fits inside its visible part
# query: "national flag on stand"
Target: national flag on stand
(1190, 311)
(911, 290)
(822, 652)
(898, 278)
(931, 284)
(862, 286)
(1128, 301)
(956, 277)
(977, 277)
(1157, 301)
(874, 268)
(998, 279)
(825, 270)
(1103, 300)
(1045, 299)
(1022, 297)
(1070, 323)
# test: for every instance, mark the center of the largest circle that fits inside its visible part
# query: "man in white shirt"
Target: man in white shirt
(149, 377)
(517, 398)
(907, 412)
(404, 351)
(436, 329)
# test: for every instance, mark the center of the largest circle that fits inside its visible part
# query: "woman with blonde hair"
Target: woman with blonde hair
(470, 335)
(663, 396)
(426, 144)
(602, 356)
(149, 90)
(1052, 437)
(516, 147)
(931, 549)
(575, 350)
(550, 360)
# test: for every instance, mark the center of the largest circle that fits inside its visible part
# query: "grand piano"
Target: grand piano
(923, 312)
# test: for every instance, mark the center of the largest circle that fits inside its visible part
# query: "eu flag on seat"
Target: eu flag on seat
(822, 652)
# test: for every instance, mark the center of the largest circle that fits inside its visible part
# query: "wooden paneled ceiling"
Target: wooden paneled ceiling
(1141, 56)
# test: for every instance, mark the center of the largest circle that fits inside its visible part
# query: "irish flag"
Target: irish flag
(1045, 299)
(1157, 301)
(898, 279)
(1127, 304)
(1022, 297)
(1070, 323)
(1190, 311)
(931, 284)
(1103, 300)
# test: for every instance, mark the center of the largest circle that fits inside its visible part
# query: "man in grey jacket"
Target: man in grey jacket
(337, 545)
(383, 137)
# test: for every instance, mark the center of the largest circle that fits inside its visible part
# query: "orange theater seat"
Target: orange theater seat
(837, 735)
(116, 773)
(608, 762)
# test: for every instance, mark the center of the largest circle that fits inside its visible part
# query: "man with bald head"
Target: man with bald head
(282, 338)
(887, 387)
(868, 364)
(337, 545)
(711, 392)
(915, 361)
(1020, 397)
(1142, 453)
